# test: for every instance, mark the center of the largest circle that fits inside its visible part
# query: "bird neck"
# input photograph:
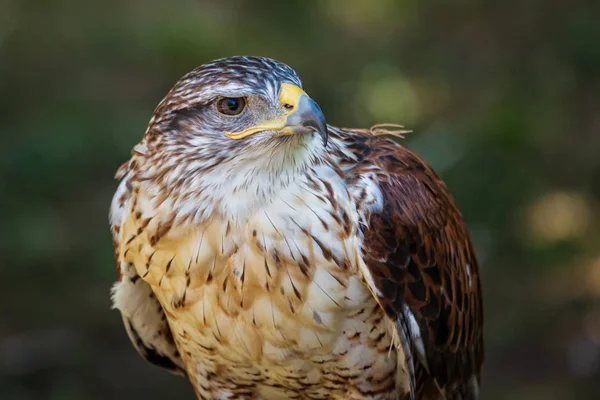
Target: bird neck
(252, 181)
(242, 183)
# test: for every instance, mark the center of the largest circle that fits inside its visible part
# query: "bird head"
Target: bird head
(233, 124)
(240, 98)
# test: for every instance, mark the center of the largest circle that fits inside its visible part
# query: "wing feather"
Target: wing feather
(422, 267)
(143, 315)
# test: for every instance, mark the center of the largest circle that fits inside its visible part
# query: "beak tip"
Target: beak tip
(319, 124)
(325, 136)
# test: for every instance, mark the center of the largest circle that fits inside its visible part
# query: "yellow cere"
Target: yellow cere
(290, 94)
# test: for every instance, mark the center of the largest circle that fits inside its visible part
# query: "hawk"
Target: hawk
(267, 255)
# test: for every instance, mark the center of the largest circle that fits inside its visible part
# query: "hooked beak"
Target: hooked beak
(302, 115)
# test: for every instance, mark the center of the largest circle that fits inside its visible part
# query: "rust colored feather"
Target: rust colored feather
(419, 253)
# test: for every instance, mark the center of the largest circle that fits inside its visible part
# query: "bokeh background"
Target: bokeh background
(503, 98)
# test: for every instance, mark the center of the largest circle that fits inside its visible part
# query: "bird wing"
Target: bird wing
(143, 315)
(421, 266)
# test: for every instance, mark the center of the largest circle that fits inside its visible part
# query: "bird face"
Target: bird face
(240, 99)
(231, 134)
(297, 114)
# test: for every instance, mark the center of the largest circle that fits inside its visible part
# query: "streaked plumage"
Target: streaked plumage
(275, 266)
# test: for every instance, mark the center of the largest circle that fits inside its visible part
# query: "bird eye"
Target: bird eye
(231, 105)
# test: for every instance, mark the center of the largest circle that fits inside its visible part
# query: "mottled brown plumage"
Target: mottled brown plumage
(420, 255)
(265, 265)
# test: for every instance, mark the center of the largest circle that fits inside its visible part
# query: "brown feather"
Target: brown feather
(419, 253)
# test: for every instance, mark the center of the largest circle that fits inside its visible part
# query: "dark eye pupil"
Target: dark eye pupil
(231, 105)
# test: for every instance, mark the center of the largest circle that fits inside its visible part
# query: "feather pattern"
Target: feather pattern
(423, 268)
(143, 316)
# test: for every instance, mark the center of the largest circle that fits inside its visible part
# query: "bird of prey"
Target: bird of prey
(267, 255)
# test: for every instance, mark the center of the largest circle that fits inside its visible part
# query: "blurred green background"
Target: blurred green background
(503, 98)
